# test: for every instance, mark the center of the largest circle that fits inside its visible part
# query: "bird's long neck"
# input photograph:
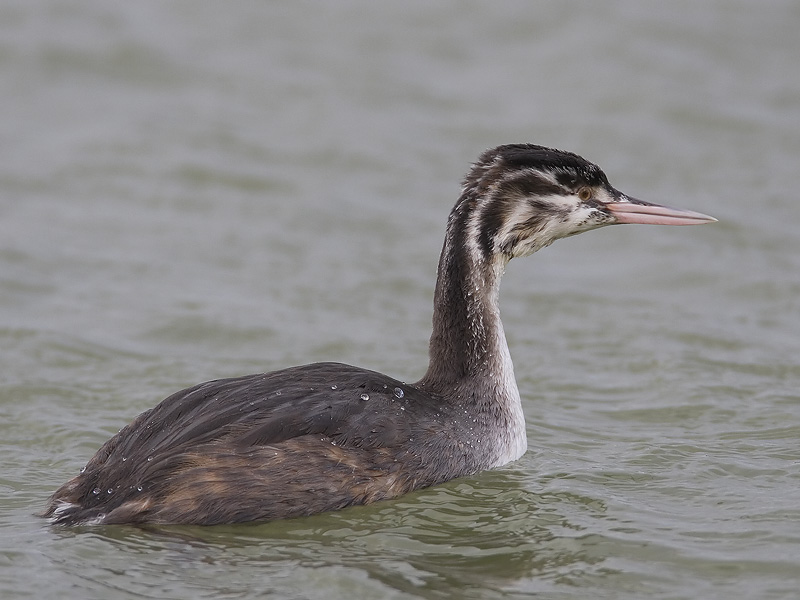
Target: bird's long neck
(470, 365)
(468, 343)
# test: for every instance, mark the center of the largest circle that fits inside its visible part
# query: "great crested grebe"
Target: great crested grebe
(324, 436)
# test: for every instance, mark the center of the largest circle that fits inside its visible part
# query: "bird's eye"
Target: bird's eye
(585, 193)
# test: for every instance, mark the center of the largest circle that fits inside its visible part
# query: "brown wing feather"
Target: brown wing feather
(281, 444)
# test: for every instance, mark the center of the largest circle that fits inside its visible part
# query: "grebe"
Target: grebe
(324, 436)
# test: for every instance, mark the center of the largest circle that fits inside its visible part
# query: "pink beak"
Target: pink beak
(638, 211)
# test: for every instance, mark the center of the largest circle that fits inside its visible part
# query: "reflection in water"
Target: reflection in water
(485, 532)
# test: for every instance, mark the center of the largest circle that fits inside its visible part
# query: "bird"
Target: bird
(324, 436)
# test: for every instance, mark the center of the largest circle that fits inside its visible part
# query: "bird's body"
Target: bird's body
(324, 436)
(283, 444)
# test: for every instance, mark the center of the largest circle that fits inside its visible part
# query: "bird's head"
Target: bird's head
(522, 197)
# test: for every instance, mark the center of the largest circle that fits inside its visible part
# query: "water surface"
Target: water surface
(191, 191)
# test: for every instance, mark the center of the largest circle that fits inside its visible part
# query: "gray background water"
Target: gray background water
(196, 190)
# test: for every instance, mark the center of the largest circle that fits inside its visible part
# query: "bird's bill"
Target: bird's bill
(632, 210)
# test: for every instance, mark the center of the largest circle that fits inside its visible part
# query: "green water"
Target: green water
(193, 190)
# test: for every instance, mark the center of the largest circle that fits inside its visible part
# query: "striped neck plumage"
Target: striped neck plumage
(468, 342)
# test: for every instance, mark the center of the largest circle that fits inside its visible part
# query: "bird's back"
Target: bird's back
(282, 444)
